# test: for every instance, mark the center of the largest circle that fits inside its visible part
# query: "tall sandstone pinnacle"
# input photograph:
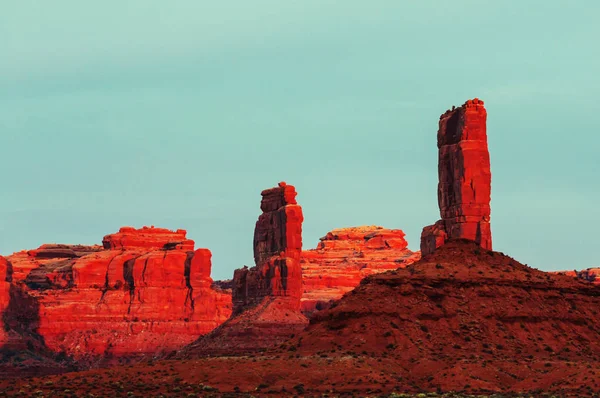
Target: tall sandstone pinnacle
(277, 251)
(266, 298)
(464, 187)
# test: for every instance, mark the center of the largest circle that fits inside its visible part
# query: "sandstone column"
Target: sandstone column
(464, 186)
(277, 249)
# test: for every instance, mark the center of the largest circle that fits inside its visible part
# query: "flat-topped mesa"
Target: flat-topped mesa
(148, 291)
(148, 238)
(277, 250)
(363, 237)
(464, 187)
(344, 257)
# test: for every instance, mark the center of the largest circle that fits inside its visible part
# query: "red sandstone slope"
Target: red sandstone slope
(347, 255)
(465, 316)
(146, 292)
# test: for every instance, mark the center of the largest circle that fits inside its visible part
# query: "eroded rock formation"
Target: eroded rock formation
(464, 186)
(277, 249)
(589, 274)
(149, 238)
(464, 308)
(344, 257)
(266, 297)
(5, 279)
(146, 291)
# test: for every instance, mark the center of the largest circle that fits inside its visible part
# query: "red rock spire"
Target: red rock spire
(266, 297)
(277, 250)
(464, 179)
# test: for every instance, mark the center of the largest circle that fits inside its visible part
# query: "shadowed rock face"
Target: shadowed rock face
(145, 292)
(464, 187)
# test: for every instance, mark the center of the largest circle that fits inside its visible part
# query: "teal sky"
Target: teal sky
(177, 114)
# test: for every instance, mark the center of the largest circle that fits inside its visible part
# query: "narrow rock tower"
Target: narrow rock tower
(464, 187)
(277, 250)
(266, 297)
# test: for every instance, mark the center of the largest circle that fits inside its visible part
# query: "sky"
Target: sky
(177, 114)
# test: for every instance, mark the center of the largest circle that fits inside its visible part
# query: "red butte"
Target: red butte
(464, 186)
(347, 255)
(145, 291)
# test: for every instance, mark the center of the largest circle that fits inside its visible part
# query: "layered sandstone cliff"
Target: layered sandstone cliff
(149, 238)
(464, 186)
(145, 291)
(344, 257)
(266, 298)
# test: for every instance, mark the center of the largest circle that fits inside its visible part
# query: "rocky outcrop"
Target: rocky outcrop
(464, 186)
(461, 322)
(589, 274)
(6, 270)
(344, 257)
(277, 250)
(513, 327)
(148, 238)
(132, 297)
(5, 279)
(266, 297)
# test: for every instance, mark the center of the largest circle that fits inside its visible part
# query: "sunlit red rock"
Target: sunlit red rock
(277, 250)
(148, 238)
(344, 257)
(464, 186)
(144, 297)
